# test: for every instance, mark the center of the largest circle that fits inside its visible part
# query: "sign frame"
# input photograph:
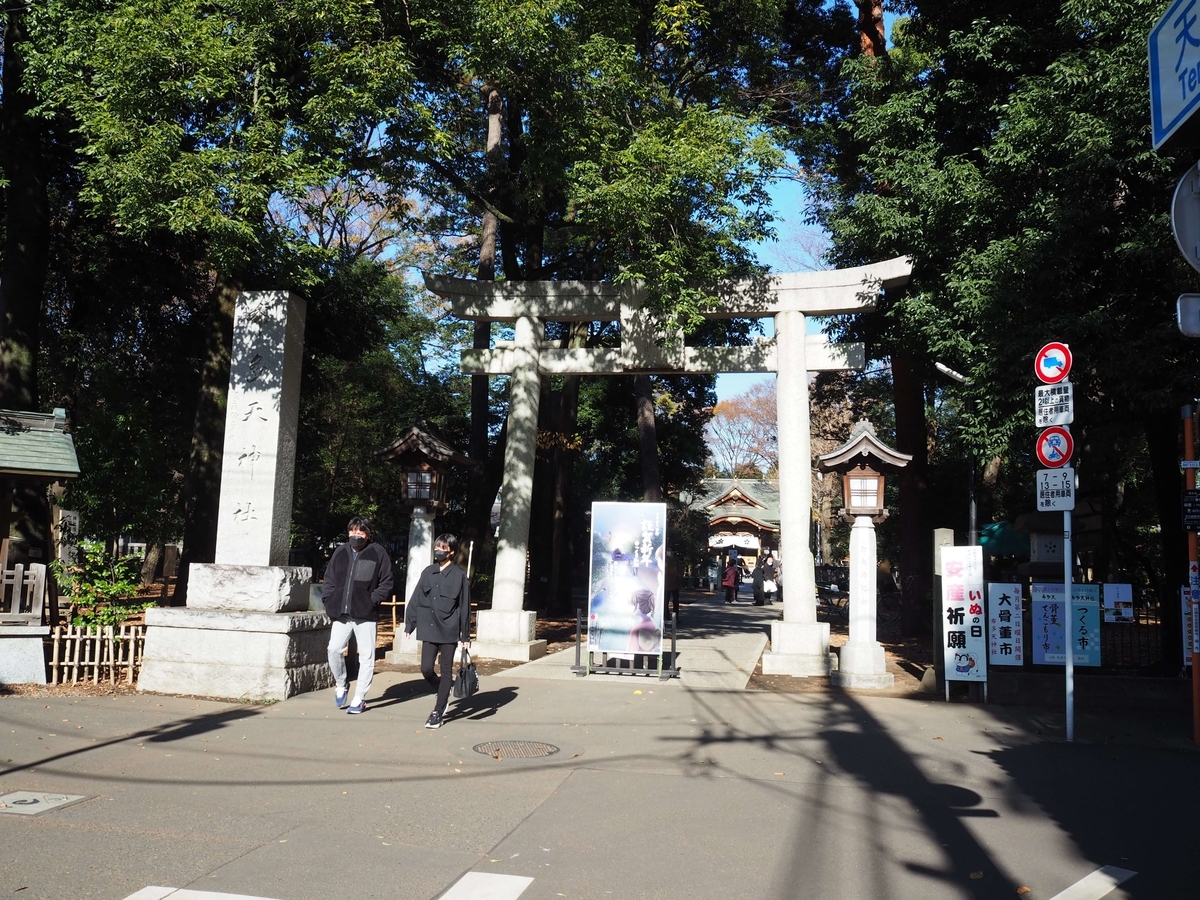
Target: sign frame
(1167, 119)
(1058, 497)
(1043, 354)
(1062, 433)
(1061, 394)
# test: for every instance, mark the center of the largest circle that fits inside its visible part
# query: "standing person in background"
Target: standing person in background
(770, 585)
(357, 579)
(729, 580)
(758, 579)
(439, 611)
(672, 580)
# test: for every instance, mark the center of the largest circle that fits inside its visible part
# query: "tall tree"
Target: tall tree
(1009, 154)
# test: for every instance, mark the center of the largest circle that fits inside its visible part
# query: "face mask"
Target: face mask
(357, 541)
(441, 556)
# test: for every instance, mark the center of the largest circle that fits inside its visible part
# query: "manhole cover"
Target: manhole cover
(515, 749)
(31, 803)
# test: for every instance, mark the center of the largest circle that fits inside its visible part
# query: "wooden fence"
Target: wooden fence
(94, 655)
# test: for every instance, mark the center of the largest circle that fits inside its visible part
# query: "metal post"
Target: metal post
(972, 512)
(1068, 626)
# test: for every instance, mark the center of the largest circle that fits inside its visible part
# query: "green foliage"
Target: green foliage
(102, 588)
(1007, 151)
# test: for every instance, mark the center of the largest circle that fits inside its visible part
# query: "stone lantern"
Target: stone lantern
(426, 459)
(862, 462)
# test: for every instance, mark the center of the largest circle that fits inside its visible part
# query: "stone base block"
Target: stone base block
(265, 589)
(871, 682)
(235, 655)
(798, 665)
(506, 626)
(523, 651)
(507, 634)
(862, 658)
(22, 659)
(800, 649)
(404, 651)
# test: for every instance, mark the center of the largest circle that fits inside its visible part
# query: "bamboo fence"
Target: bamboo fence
(95, 655)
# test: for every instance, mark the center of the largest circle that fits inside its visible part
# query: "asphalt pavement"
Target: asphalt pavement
(650, 790)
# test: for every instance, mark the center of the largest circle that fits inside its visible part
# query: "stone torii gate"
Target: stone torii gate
(799, 644)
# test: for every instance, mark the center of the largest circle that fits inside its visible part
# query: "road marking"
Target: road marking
(1096, 885)
(168, 893)
(472, 886)
(488, 886)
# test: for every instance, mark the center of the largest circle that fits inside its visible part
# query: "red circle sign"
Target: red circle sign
(1055, 447)
(1053, 362)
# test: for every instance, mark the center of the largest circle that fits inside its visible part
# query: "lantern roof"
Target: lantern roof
(863, 448)
(422, 443)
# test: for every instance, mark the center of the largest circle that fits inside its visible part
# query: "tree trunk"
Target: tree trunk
(871, 38)
(27, 226)
(202, 494)
(566, 421)
(916, 554)
(479, 506)
(1162, 441)
(648, 439)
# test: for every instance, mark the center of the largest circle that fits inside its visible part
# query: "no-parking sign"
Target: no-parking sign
(1053, 362)
(1055, 447)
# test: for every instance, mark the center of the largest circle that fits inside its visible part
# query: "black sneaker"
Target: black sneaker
(434, 720)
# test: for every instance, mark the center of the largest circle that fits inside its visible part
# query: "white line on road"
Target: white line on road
(167, 893)
(488, 886)
(1096, 885)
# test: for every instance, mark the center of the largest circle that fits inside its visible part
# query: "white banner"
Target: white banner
(625, 598)
(965, 645)
(1006, 627)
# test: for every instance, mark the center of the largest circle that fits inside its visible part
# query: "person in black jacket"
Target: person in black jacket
(439, 611)
(357, 579)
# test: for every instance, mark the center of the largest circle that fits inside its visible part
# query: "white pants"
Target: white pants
(339, 640)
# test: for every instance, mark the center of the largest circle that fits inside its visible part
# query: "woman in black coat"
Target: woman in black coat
(439, 611)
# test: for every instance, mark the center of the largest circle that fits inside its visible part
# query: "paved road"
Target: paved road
(656, 792)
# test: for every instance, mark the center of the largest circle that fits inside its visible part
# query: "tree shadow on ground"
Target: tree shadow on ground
(1124, 806)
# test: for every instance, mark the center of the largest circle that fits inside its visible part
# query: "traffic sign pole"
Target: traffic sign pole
(1069, 626)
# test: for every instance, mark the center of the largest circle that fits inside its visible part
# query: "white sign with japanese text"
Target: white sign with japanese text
(1050, 622)
(1056, 489)
(1118, 602)
(1006, 631)
(965, 644)
(1053, 404)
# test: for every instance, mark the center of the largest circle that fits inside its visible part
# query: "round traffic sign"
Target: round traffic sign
(1054, 447)
(1053, 362)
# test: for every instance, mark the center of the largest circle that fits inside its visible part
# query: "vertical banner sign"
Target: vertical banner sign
(1006, 629)
(625, 595)
(1118, 602)
(965, 648)
(1052, 619)
(1189, 626)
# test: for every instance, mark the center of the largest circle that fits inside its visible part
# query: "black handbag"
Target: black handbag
(466, 682)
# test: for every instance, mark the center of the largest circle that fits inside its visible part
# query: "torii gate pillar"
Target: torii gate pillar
(799, 643)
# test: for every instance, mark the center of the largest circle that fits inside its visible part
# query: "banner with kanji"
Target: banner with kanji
(625, 595)
(1006, 629)
(1052, 618)
(965, 644)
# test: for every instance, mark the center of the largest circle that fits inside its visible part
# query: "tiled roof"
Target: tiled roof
(738, 497)
(36, 444)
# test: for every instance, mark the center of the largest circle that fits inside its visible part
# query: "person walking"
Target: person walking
(770, 585)
(357, 579)
(758, 577)
(672, 581)
(439, 611)
(729, 580)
